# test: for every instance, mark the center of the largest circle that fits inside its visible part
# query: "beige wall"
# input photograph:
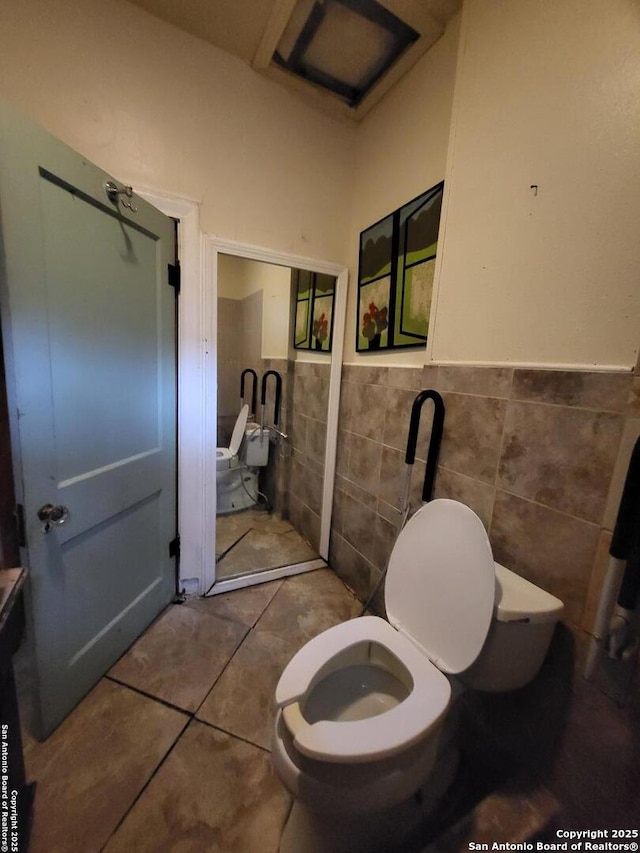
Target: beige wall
(239, 278)
(160, 108)
(546, 94)
(401, 151)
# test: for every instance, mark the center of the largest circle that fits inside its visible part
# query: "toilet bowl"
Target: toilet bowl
(366, 710)
(237, 466)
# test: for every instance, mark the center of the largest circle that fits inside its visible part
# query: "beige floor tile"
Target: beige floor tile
(244, 606)
(515, 813)
(264, 549)
(213, 793)
(91, 769)
(307, 604)
(242, 700)
(179, 658)
(229, 528)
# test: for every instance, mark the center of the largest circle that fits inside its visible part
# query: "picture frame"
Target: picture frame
(314, 310)
(396, 263)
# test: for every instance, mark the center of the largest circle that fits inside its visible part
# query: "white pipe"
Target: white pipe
(608, 597)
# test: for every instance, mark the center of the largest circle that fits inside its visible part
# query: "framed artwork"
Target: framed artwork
(395, 275)
(314, 294)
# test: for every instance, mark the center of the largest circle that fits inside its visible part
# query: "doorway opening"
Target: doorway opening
(269, 495)
(271, 420)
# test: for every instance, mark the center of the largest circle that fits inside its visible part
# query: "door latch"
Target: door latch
(50, 515)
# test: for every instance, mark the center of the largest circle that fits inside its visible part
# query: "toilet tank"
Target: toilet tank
(524, 618)
(255, 450)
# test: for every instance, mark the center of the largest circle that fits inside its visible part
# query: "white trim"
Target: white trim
(242, 581)
(331, 446)
(517, 365)
(213, 246)
(449, 181)
(271, 256)
(210, 410)
(533, 365)
(191, 372)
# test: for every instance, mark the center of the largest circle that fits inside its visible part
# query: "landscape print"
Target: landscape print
(395, 275)
(314, 310)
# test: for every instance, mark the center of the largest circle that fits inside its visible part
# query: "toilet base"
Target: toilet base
(236, 489)
(394, 830)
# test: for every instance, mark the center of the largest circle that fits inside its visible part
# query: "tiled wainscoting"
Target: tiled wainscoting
(308, 437)
(294, 477)
(540, 455)
(274, 479)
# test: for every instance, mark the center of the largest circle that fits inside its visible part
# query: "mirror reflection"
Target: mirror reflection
(272, 415)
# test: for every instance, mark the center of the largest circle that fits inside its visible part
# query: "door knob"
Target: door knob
(50, 515)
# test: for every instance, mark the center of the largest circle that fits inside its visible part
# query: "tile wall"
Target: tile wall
(309, 402)
(274, 479)
(540, 455)
(294, 477)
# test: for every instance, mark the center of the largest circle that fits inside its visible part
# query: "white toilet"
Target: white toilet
(366, 710)
(237, 465)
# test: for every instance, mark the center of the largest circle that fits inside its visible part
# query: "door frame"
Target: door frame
(212, 246)
(192, 368)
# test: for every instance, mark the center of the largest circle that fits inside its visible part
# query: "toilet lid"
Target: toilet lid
(238, 430)
(440, 586)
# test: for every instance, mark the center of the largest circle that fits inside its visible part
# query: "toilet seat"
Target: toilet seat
(224, 455)
(373, 738)
(439, 595)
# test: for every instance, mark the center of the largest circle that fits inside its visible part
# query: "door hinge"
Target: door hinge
(174, 547)
(20, 526)
(174, 276)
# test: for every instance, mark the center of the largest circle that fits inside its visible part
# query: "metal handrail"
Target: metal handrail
(254, 389)
(434, 441)
(263, 396)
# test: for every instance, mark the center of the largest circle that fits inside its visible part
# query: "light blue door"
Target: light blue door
(89, 331)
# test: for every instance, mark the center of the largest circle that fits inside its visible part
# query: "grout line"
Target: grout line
(467, 476)
(268, 604)
(508, 398)
(190, 717)
(500, 452)
(231, 734)
(577, 408)
(144, 693)
(148, 782)
(594, 409)
(231, 619)
(224, 553)
(550, 508)
(223, 670)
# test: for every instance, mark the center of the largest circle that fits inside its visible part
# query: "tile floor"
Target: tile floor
(170, 751)
(254, 539)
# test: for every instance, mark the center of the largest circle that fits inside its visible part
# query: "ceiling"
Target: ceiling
(251, 30)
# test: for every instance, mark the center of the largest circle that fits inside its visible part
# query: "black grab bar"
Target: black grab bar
(254, 389)
(263, 396)
(434, 441)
